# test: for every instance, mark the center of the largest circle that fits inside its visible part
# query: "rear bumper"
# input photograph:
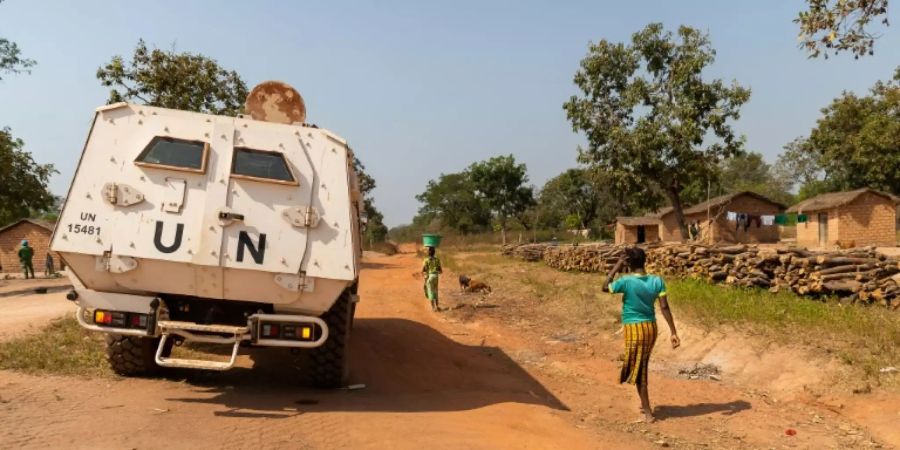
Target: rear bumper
(217, 334)
(213, 334)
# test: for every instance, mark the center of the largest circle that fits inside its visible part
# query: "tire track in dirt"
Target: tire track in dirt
(424, 390)
(432, 382)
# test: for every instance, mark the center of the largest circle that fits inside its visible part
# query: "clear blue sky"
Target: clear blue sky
(418, 88)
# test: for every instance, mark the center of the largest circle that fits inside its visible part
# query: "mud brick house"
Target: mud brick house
(718, 228)
(37, 234)
(637, 230)
(848, 219)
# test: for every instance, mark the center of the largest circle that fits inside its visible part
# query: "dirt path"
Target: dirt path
(432, 382)
(20, 313)
(424, 390)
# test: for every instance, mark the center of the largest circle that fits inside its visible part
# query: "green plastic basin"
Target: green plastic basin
(431, 240)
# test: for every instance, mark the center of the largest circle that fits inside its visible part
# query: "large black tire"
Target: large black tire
(326, 366)
(133, 356)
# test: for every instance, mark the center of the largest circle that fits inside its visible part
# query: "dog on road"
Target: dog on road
(467, 284)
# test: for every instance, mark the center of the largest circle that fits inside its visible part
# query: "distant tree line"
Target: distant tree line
(659, 134)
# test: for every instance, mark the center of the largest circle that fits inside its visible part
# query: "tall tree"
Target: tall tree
(840, 25)
(857, 141)
(651, 120)
(501, 183)
(23, 182)
(194, 82)
(577, 198)
(376, 230)
(11, 59)
(799, 168)
(451, 199)
(177, 80)
(797, 164)
(749, 172)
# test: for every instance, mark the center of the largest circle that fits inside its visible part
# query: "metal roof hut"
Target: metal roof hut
(848, 219)
(637, 230)
(711, 218)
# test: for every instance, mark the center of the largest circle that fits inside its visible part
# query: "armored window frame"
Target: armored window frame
(204, 155)
(290, 172)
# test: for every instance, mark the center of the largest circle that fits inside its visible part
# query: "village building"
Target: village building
(636, 230)
(848, 219)
(712, 219)
(37, 233)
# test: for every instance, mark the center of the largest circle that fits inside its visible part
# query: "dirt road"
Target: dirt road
(431, 382)
(20, 313)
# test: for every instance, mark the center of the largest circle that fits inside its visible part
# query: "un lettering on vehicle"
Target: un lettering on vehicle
(247, 247)
(85, 225)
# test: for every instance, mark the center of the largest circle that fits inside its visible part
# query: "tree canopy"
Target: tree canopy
(376, 230)
(840, 25)
(11, 59)
(23, 183)
(194, 82)
(855, 144)
(451, 199)
(750, 172)
(488, 192)
(578, 198)
(857, 140)
(501, 183)
(651, 121)
(177, 80)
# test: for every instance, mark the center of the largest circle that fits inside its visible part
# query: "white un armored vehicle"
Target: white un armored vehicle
(245, 231)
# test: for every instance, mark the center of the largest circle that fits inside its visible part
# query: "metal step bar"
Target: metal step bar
(229, 335)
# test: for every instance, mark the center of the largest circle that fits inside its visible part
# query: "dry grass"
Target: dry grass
(63, 348)
(864, 338)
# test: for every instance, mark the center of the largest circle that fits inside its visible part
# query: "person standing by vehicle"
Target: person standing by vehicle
(49, 270)
(431, 270)
(26, 253)
(639, 293)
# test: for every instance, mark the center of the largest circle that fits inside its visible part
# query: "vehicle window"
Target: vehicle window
(167, 152)
(251, 163)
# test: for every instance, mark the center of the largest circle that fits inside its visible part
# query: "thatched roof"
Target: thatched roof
(836, 199)
(637, 221)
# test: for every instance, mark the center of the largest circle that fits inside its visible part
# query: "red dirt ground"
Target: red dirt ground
(431, 382)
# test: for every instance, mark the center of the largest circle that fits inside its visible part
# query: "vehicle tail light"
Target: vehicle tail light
(270, 330)
(287, 331)
(120, 319)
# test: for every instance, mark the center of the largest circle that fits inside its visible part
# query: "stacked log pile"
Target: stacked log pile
(583, 258)
(527, 252)
(859, 275)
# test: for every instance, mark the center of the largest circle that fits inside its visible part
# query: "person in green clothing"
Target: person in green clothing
(639, 293)
(26, 253)
(431, 270)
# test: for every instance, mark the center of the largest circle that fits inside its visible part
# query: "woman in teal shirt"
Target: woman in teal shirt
(640, 292)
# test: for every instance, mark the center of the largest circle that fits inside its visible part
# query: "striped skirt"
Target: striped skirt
(639, 340)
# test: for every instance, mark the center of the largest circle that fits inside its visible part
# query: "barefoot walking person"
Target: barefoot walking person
(639, 293)
(431, 269)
